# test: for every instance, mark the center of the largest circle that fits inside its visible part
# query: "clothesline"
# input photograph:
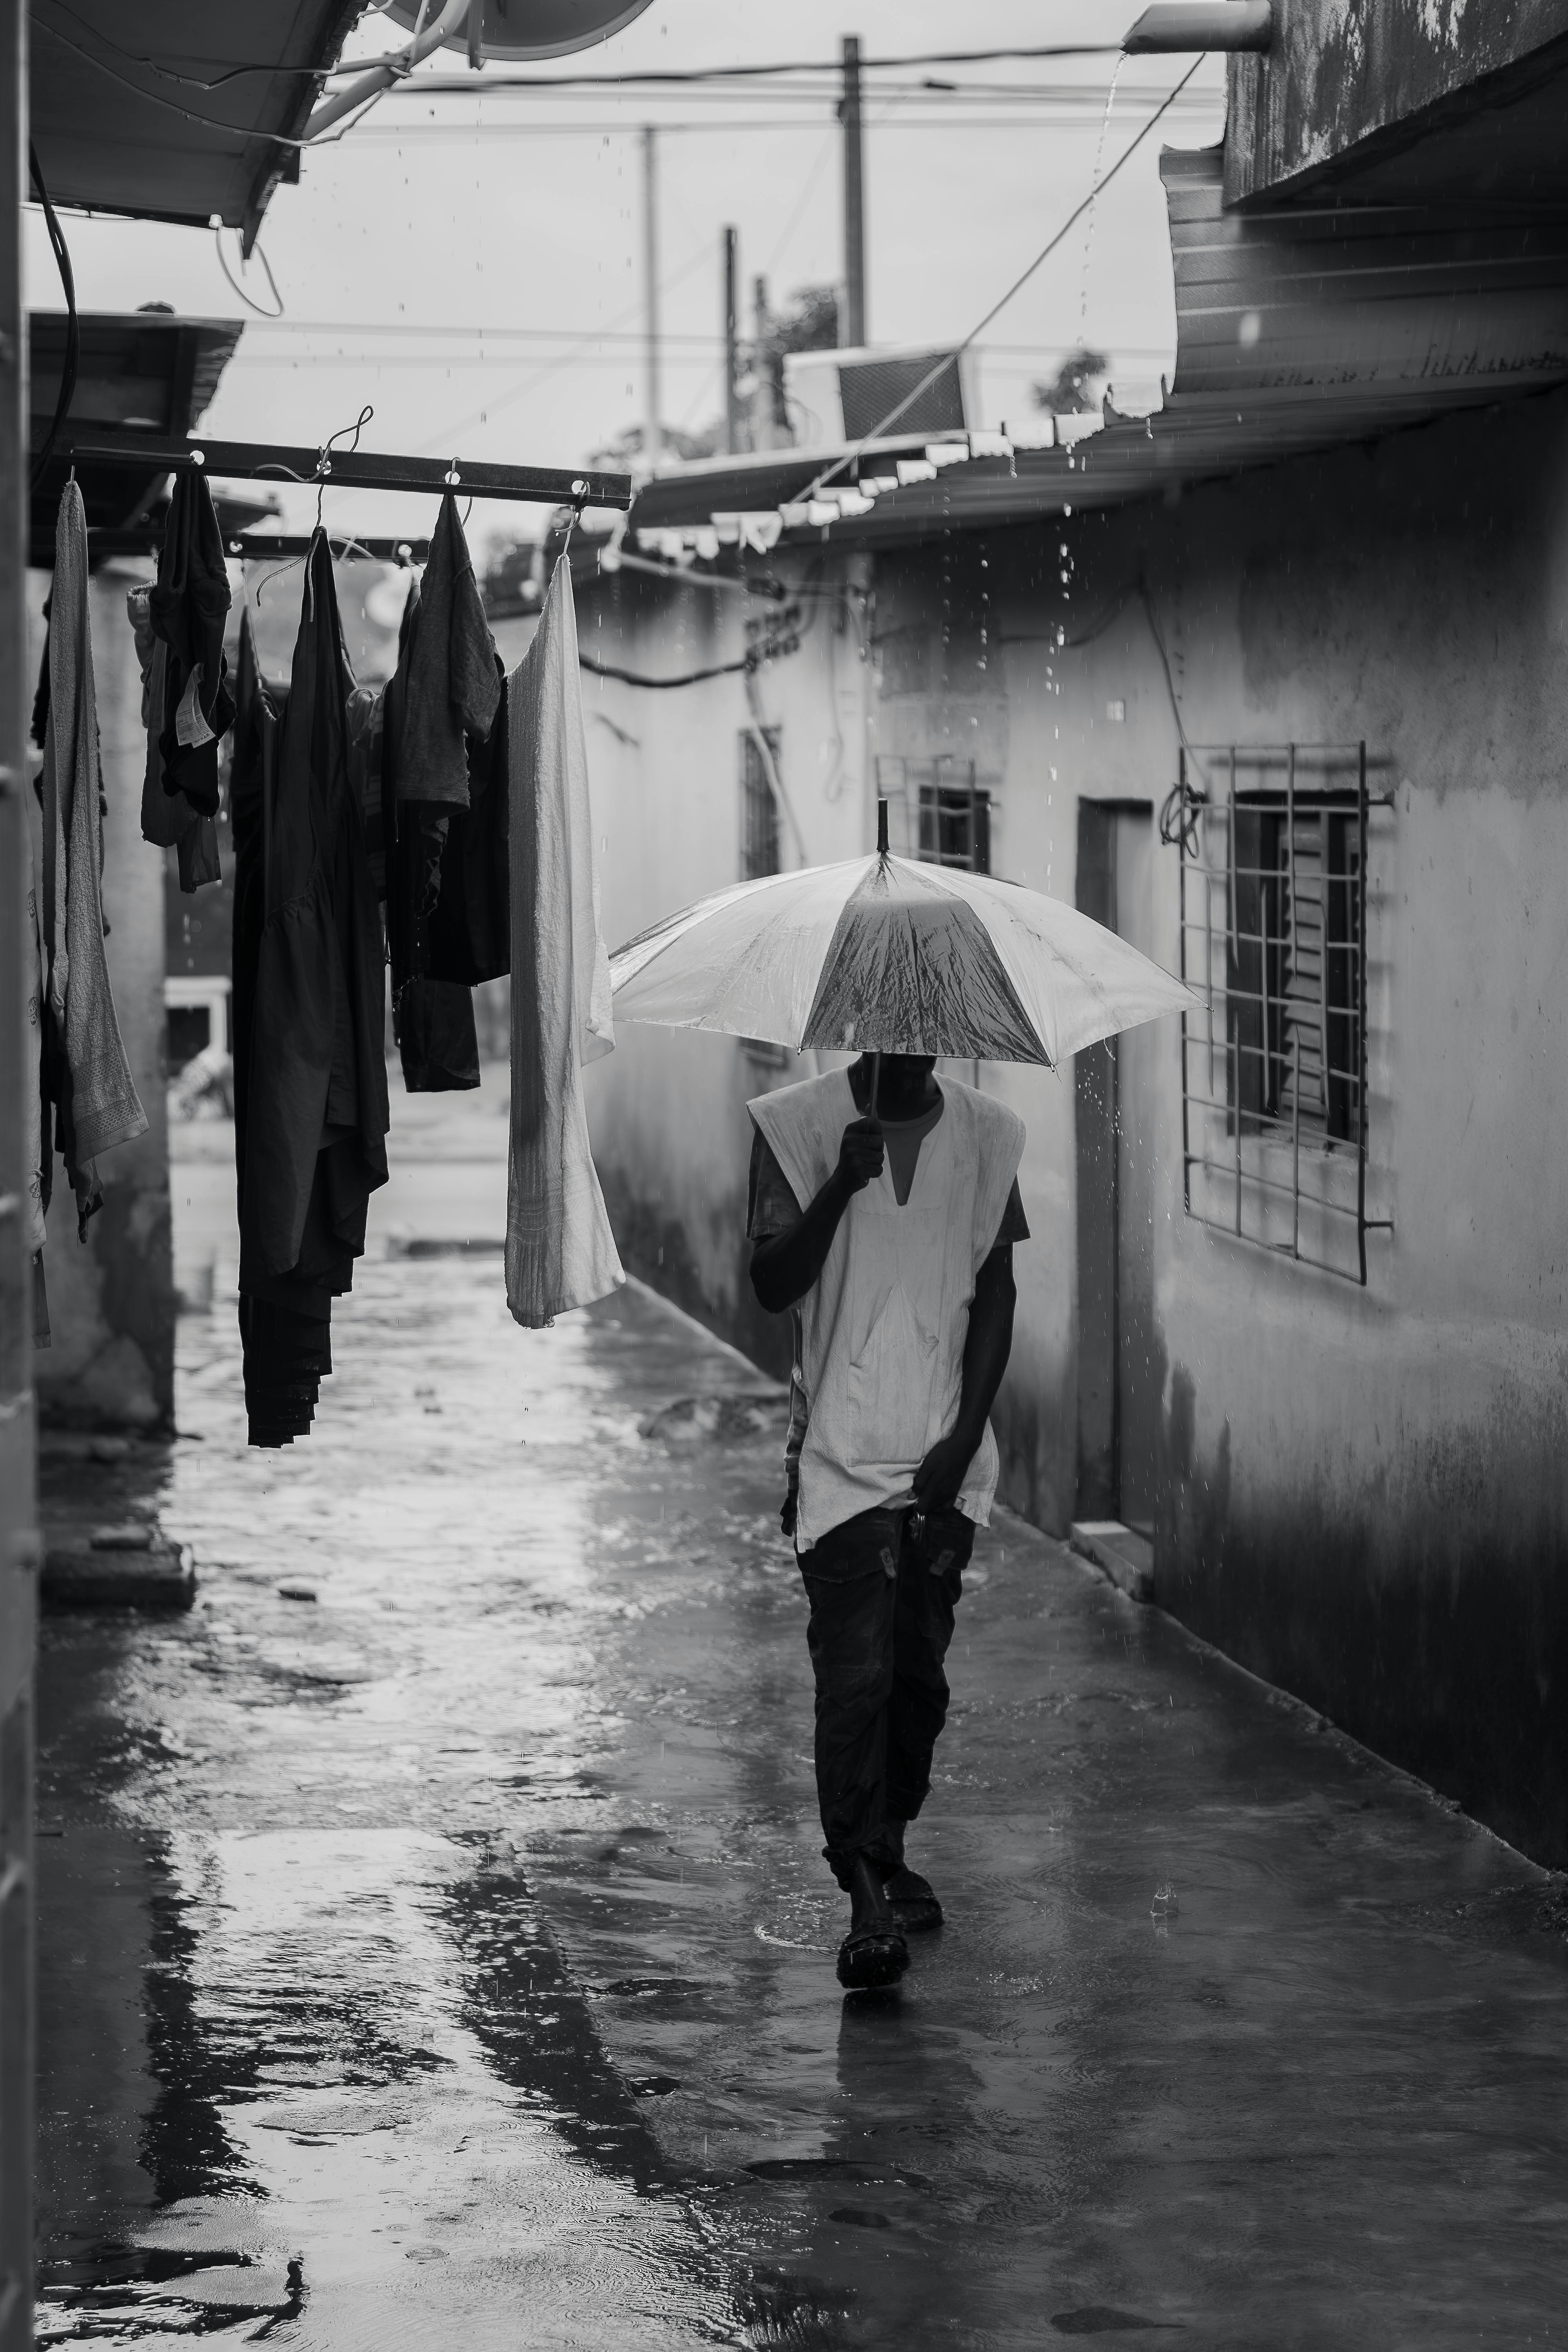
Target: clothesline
(350, 469)
(435, 830)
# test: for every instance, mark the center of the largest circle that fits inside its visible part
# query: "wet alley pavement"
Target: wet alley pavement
(436, 1948)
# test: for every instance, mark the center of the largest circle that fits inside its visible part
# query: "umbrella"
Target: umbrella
(882, 955)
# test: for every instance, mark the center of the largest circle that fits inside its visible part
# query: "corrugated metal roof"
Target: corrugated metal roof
(1295, 331)
(142, 109)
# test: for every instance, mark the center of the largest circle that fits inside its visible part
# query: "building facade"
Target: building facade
(1294, 1300)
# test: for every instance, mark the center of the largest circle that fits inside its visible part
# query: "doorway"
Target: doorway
(1119, 1378)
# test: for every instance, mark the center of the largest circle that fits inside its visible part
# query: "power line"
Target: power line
(678, 77)
(435, 131)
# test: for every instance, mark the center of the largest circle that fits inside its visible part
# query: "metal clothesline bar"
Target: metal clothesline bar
(349, 469)
(260, 546)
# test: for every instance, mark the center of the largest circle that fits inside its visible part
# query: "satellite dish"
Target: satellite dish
(513, 30)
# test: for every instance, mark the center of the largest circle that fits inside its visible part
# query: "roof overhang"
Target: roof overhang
(1297, 332)
(138, 370)
(175, 110)
(1403, 102)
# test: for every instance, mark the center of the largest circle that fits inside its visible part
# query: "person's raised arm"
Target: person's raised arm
(986, 1348)
(784, 1266)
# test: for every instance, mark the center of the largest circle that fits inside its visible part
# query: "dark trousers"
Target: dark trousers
(883, 1590)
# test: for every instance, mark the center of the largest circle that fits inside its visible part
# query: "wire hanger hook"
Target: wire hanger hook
(324, 453)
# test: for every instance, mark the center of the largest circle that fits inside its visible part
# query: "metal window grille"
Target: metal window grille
(1274, 844)
(939, 811)
(759, 806)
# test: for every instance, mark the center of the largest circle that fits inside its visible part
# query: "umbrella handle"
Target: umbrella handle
(876, 1073)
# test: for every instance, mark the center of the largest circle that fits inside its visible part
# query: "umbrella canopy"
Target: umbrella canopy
(881, 955)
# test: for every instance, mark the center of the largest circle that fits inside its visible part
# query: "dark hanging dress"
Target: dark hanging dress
(440, 715)
(310, 1102)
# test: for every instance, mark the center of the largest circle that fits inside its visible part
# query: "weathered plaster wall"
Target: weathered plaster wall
(1366, 1492)
(671, 1137)
(111, 1301)
(1348, 75)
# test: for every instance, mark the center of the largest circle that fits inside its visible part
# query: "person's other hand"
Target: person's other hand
(937, 1481)
(861, 1153)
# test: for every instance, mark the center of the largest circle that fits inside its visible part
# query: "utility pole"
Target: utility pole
(733, 421)
(653, 429)
(765, 418)
(852, 327)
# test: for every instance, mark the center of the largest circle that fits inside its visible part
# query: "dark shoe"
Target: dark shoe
(869, 1957)
(912, 1900)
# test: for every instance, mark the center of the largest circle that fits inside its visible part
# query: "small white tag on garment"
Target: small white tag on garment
(190, 728)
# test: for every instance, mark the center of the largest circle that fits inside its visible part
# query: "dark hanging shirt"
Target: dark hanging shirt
(188, 609)
(452, 687)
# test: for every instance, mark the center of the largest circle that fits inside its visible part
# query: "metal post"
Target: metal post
(1360, 1014)
(653, 396)
(1181, 965)
(1296, 1153)
(1288, 929)
(732, 425)
(18, 1475)
(763, 420)
(854, 327)
(1233, 930)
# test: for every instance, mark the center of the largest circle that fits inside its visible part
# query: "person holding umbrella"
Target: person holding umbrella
(884, 1209)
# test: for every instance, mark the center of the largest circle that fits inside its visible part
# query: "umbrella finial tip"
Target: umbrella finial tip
(881, 828)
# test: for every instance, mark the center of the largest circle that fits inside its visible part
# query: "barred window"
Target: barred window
(759, 806)
(1274, 844)
(938, 810)
(1293, 977)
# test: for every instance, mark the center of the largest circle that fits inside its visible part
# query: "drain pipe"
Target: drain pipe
(1180, 27)
(391, 69)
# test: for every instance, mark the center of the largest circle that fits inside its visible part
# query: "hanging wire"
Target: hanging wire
(949, 357)
(258, 308)
(73, 324)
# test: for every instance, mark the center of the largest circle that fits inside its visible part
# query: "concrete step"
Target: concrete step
(89, 1572)
(1128, 1560)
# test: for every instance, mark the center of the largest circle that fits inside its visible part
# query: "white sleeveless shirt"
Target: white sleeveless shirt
(883, 1328)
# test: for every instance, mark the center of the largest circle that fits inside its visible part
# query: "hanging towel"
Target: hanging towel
(188, 609)
(559, 1251)
(93, 1091)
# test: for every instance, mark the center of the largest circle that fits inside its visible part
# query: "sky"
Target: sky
(471, 265)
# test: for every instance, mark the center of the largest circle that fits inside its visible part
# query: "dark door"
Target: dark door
(1118, 1379)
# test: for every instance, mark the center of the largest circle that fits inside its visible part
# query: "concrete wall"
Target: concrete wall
(112, 1300)
(668, 1109)
(1364, 1494)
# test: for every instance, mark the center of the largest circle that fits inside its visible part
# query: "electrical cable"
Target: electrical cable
(446, 85)
(245, 298)
(73, 324)
(686, 677)
(189, 114)
(949, 357)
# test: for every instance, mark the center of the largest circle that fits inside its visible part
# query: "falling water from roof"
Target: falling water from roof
(1094, 207)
